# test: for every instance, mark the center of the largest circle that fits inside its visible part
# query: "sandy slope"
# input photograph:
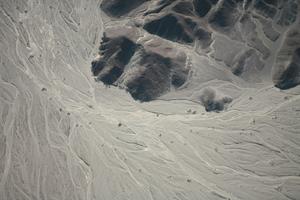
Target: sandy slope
(63, 136)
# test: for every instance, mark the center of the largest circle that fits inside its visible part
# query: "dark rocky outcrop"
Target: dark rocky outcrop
(118, 8)
(160, 5)
(289, 13)
(178, 29)
(238, 34)
(286, 72)
(185, 8)
(290, 76)
(146, 72)
(264, 9)
(116, 53)
(225, 16)
(202, 7)
(171, 27)
(153, 80)
(213, 101)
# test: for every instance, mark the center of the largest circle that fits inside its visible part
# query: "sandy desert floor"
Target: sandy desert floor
(64, 136)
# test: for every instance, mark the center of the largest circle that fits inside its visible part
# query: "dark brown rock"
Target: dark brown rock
(118, 8)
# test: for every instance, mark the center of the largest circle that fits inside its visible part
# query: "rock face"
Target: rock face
(286, 72)
(116, 54)
(153, 75)
(290, 77)
(118, 8)
(146, 72)
(176, 28)
(212, 101)
(171, 27)
(239, 34)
